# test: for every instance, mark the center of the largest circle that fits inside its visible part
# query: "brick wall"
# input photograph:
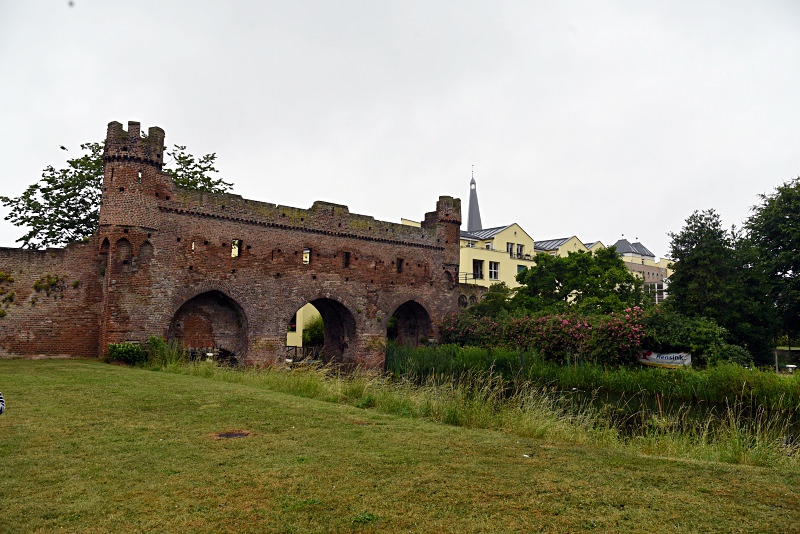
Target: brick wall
(61, 317)
(219, 268)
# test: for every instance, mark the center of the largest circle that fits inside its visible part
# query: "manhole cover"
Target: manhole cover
(232, 434)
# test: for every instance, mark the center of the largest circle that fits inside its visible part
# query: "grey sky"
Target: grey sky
(593, 119)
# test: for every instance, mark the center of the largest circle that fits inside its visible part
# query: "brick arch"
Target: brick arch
(413, 323)
(145, 252)
(206, 286)
(211, 320)
(341, 326)
(123, 249)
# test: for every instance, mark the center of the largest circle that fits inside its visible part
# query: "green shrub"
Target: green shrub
(669, 331)
(314, 332)
(565, 338)
(127, 353)
(728, 353)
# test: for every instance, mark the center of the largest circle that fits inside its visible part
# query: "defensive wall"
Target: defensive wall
(220, 271)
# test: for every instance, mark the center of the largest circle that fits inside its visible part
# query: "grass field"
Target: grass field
(91, 447)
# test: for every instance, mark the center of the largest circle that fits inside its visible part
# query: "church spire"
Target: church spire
(474, 215)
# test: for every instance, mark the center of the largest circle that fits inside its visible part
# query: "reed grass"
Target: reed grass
(717, 384)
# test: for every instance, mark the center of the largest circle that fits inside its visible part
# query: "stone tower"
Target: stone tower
(133, 186)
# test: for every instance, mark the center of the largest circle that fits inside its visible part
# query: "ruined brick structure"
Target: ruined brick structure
(217, 270)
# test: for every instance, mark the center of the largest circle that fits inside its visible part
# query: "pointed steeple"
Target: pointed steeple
(474, 215)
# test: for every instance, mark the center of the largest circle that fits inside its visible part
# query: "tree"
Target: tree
(774, 232)
(64, 206)
(703, 268)
(715, 275)
(589, 282)
(494, 303)
(195, 174)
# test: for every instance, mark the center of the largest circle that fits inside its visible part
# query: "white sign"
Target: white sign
(671, 360)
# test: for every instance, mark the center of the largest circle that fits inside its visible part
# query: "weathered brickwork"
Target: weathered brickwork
(219, 270)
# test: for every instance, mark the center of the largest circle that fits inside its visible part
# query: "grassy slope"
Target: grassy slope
(96, 448)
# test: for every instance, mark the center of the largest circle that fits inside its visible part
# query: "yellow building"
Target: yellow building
(492, 255)
(304, 316)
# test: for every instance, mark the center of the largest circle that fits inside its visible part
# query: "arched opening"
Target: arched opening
(449, 280)
(462, 301)
(124, 251)
(102, 262)
(305, 335)
(211, 325)
(410, 324)
(145, 252)
(339, 329)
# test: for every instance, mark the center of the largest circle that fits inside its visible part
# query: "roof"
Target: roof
(474, 214)
(623, 246)
(550, 244)
(486, 233)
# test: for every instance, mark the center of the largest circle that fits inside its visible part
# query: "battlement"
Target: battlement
(448, 209)
(130, 146)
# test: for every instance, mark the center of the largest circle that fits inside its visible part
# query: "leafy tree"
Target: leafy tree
(774, 232)
(194, 173)
(494, 303)
(714, 276)
(589, 282)
(64, 206)
(702, 268)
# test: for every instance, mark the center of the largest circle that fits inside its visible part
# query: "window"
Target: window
(488, 245)
(494, 270)
(306, 256)
(399, 265)
(477, 269)
(520, 250)
(510, 248)
(520, 268)
(470, 244)
(236, 247)
(346, 260)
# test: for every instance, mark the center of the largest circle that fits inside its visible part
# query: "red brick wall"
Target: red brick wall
(63, 323)
(160, 246)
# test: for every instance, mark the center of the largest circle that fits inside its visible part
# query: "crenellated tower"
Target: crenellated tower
(133, 187)
(133, 181)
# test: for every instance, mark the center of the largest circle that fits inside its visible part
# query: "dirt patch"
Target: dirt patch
(231, 434)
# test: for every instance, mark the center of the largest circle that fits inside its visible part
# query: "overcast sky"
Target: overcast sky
(594, 119)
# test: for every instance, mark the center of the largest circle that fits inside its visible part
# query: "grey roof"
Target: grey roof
(550, 244)
(474, 214)
(623, 246)
(485, 233)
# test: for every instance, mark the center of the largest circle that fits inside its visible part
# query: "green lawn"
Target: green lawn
(91, 447)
